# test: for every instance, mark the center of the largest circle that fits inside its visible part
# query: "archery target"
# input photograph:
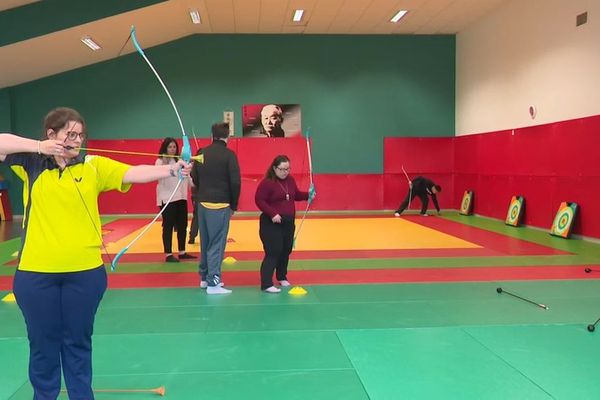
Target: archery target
(466, 206)
(515, 211)
(563, 221)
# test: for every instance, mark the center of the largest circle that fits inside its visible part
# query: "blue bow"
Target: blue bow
(186, 150)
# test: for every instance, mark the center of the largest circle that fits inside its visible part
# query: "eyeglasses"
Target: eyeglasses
(283, 169)
(75, 135)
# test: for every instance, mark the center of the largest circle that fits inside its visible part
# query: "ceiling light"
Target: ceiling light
(298, 15)
(89, 42)
(195, 16)
(398, 16)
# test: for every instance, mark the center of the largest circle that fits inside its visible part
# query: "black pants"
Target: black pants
(278, 240)
(424, 202)
(174, 217)
(194, 223)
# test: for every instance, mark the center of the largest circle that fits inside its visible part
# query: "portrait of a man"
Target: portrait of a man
(271, 120)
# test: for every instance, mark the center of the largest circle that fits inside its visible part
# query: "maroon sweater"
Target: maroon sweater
(278, 196)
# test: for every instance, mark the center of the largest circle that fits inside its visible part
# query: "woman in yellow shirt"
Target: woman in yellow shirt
(60, 278)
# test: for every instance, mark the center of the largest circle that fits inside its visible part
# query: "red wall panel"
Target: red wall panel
(255, 154)
(533, 152)
(495, 155)
(348, 192)
(466, 153)
(547, 164)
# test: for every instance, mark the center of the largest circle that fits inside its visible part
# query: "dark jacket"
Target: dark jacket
(218, 179)
(421, 187)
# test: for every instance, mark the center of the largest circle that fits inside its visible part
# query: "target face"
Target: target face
(465, 207)
(514, 211)
(564, 219)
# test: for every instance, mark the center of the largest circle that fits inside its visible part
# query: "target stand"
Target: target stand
(466, 206)
(563, 221)
(515, 211)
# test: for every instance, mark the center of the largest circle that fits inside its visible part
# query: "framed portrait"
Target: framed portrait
(271, 120)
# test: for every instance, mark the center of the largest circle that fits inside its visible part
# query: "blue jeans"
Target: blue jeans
(214, 227)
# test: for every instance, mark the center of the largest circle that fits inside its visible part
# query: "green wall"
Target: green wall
(354, 90)
(5, 116)
(43, 17)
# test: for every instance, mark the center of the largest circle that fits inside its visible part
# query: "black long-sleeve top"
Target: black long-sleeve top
(421, 186)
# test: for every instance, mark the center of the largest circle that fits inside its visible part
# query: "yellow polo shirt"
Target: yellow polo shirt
(61, 222)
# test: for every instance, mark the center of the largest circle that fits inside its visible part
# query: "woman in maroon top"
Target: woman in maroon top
(275, 197)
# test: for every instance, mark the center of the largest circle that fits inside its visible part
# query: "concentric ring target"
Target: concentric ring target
(514, 211)
(465, 207)
(563, 220)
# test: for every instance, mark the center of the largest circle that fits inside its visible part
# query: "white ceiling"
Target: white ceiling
(167, 21)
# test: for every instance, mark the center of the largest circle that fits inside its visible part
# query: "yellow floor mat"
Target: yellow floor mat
(318, 234)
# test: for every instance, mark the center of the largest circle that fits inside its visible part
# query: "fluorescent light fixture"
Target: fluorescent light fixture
(89, 42)
(398, 16)
(195, 15)
(298, 15)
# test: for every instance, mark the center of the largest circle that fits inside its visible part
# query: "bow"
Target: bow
(311, 188)
(186, 151)
(409, 186)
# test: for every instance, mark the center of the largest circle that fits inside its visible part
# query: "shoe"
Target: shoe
(186, 256)
(204, 284)
(171, 259)
(396, 214)
(217, 290)
(285, 283)
(424, 215)
(272, 289)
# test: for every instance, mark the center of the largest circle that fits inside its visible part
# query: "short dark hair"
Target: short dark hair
(438, 188)
(220, 130)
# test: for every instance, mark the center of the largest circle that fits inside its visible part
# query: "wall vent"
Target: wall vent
(581, 19)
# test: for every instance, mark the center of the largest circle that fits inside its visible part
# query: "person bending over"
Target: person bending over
(422, 188)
